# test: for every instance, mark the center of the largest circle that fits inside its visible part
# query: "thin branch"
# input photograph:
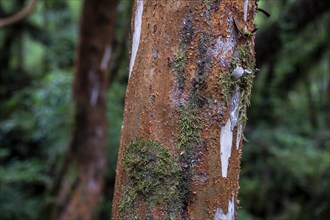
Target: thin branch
(19, 16)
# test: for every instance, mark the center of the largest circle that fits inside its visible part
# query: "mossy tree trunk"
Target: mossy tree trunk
(82, 182)
(191, 72)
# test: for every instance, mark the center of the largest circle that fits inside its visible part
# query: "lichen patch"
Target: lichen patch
(223, 50)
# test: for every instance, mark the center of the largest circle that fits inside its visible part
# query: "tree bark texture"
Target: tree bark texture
(191, 72)
(82, 182)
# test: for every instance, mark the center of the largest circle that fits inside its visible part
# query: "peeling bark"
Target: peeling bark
(178, 102)
(82, 182)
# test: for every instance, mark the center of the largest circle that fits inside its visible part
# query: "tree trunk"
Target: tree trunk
(191, 72)
(82, 182)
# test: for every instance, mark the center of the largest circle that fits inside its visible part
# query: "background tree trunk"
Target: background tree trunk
(81, 185)
(191, 72)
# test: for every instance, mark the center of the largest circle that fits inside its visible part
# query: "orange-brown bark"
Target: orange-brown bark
(82, 182)
(185, 46)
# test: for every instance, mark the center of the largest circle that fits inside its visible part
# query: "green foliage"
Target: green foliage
(38, 111)
(154, 177)
(18, 203)
(24, 172)
(298, 163)
(285, 164)
(40, 116)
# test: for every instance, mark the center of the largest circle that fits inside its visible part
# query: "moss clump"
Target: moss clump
(207, 3)
(189, 130)
(189, 138)
(154, 177)
(178, 65)
(245, 57)
(243, 84)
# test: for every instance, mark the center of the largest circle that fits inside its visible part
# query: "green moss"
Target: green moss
(178, 66)
(188, 127)
(207, 3)
(228, 84)
(189, 139)
(245, 57)
(243, 84)
(154, 177)
(245, 98)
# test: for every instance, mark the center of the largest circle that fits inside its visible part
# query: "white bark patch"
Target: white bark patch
(226, 140)
(152, 72)
(137, 33)
(234, 109)
(94, 88)
(94, 96)
(223, 49)
(93, 185)
(246, 4)
(106, 58)
(238, 136)
(99, 132)
(230, 215)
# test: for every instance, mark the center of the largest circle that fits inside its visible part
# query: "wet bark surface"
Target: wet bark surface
(193, 59)
(81, 186)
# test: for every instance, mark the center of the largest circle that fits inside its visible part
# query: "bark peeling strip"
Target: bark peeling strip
(106, 58)
(220, 214)
(239, 134)
(246, 4)
(137, 33)
(226, 140)
(234, 109)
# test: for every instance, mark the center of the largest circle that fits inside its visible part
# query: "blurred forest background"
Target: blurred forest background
(286, 158)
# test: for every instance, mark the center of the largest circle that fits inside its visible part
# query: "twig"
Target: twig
(19, 16)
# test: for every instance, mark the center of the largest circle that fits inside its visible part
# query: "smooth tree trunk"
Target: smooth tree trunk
(82, 182)
(191, 72)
